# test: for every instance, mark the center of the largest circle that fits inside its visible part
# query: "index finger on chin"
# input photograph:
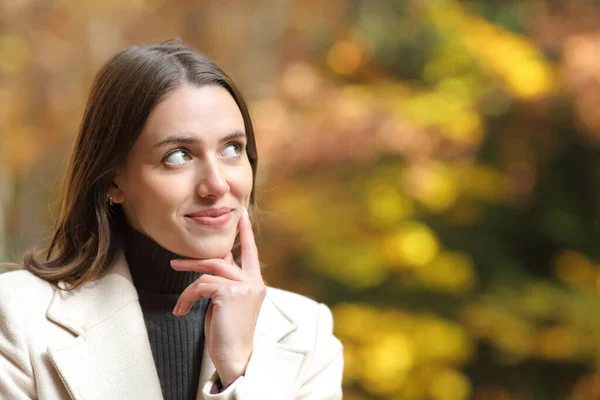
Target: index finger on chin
(250, 262)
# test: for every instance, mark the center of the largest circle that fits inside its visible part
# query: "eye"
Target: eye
(177, 157)
(232, 150)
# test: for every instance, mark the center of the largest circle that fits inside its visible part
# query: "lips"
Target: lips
(211, 213)
(213, 217)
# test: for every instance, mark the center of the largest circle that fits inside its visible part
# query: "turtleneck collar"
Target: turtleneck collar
(149, 265)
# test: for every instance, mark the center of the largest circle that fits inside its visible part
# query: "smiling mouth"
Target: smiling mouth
(213, 217)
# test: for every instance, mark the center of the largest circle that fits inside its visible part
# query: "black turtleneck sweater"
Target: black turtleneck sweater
(176, 342)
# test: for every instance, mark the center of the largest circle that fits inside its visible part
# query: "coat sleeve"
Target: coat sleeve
(320, 379)
(16, 374)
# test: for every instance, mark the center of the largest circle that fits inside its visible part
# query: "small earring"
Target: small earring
(109, 199)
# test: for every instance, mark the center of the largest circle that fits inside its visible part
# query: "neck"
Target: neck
(149, 265)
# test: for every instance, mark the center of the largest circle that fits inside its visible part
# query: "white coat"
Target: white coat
(91, 343)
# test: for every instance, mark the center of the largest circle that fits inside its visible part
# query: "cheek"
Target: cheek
(241, 184)
(152, 192)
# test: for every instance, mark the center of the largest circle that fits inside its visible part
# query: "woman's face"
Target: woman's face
(188, 177)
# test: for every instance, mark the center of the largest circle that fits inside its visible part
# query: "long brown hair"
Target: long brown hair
(85, 238)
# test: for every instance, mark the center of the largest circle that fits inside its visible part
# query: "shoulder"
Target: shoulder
(312, 320)
(290, 300)
(22, 282)
(24, 299)
(22, 292)
(299, 309)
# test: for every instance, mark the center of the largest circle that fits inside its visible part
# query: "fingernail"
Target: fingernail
(176, 309)
(245, 211)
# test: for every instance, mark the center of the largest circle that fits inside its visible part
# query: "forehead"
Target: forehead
(206, 112)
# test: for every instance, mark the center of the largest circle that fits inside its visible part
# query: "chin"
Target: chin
(209, 249)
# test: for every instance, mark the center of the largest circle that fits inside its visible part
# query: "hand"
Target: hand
(236, 297)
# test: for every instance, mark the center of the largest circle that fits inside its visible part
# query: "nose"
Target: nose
(212, 182)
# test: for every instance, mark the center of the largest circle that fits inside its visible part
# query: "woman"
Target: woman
(138, 296)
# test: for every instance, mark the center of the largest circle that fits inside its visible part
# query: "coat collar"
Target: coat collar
(111, 342)
(104, 296)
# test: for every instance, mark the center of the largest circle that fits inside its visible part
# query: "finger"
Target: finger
(207, 322)
(228, 258)
(213, 266)
(213, 279)
(249, 251)
(192, 294)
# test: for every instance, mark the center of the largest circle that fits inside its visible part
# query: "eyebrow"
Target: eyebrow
(185, 139)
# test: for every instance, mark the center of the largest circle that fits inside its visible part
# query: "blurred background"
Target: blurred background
(428, 169)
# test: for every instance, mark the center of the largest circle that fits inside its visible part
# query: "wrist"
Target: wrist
(230, 371)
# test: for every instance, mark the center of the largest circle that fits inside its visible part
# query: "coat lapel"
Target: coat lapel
(110, 357)
(284, 362)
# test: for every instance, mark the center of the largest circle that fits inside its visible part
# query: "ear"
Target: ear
(115, 191)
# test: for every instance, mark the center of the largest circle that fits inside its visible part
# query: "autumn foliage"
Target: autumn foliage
(429, 169)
